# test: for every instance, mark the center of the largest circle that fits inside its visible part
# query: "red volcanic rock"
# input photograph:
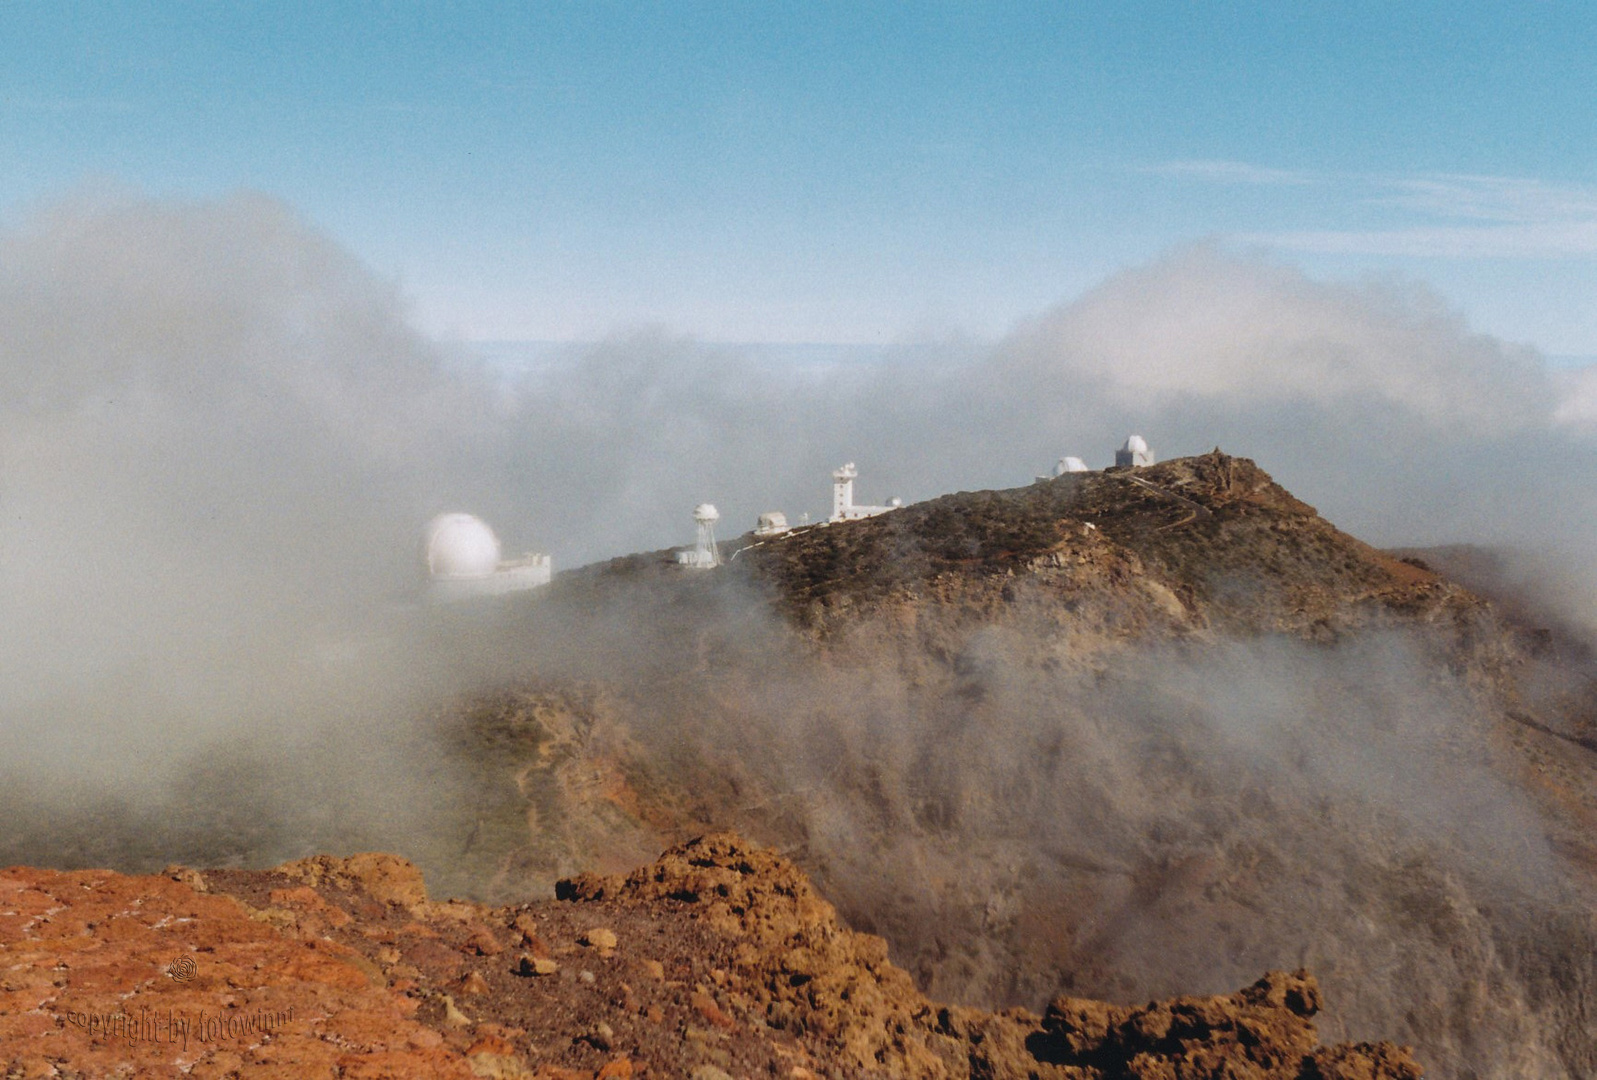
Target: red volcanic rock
(719, 959)
(95, 980)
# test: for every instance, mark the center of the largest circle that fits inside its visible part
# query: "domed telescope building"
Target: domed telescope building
(464, 560)
(1135, 453)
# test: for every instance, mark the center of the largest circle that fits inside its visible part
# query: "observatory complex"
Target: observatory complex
(1133, 455)
(463, 561)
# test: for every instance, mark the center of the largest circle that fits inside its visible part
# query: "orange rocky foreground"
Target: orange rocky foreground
(718, 960)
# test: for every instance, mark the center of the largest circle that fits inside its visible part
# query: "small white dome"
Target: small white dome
(1135, 445)
(706, 512)
(1072, 464)
(461, 546)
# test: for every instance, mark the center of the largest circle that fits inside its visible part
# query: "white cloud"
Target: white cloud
(1454, 215)
(1200, 324)
(1516, 241)
(1493, 198)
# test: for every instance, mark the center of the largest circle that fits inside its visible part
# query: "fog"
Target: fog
(221, 438)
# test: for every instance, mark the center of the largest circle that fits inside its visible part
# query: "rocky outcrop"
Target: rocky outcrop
(717, 960)
(807, 974)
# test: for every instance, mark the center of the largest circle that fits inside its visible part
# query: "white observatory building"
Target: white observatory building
(843, 508)
(704, 555)
(1066, 465)
(773, 523)
(463, 561)
(1135, 453)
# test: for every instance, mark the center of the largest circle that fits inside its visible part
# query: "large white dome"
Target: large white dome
(461, 546)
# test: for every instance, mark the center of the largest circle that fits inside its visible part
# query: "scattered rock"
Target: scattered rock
(453, 1016)
(387, 879)
(601, 1036)
(705, 1006)
(187, 875)
(600, 938)
(483, 943)
(536, 965)
(769, 983)
(501, 1067)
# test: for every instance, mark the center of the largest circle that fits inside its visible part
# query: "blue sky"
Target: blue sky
(842, 173)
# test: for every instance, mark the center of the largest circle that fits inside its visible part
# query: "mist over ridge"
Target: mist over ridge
(222, 438)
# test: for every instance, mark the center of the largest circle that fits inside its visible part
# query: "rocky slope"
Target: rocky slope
(719, 959)
(1121, 736)
(1125, 734)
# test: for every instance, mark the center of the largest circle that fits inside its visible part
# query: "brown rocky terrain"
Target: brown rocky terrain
(1126, 734)
(719, 959)
(1120, 736)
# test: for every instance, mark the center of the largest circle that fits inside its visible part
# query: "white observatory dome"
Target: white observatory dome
(1136, 444)
(706, 512)
(461, 546)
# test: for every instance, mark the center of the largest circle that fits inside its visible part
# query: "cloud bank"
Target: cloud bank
(220, 439)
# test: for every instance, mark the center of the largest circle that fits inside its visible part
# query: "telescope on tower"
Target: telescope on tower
(704, 555)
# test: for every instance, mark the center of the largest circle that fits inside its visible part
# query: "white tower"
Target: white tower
(843, 506)
(843, 492)
(705, 555)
